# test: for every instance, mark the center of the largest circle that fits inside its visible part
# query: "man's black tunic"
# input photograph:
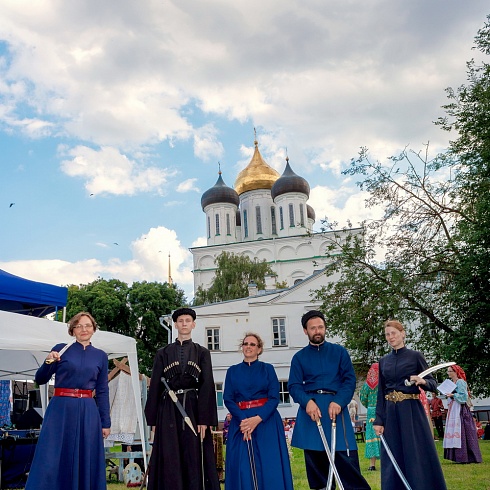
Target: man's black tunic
(176, 462)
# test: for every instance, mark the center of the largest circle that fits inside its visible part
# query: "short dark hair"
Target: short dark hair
(311, 314)
(183, 311)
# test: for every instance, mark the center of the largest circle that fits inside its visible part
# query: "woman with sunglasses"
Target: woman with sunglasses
(256, 451)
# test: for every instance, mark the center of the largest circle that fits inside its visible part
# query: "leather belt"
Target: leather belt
(398, 396)
(73, 392)
(252, 403)
(183, 392)
(322, 391)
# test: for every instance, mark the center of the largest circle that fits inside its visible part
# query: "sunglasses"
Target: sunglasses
(251, 344)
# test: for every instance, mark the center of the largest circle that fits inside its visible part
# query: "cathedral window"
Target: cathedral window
(281, 218)
(273, 220)
(245, 223)
(209, 227)
(228, 226)
(217, 224)
(291, 215)
(278, 332)
(302, 215)
(258, 218)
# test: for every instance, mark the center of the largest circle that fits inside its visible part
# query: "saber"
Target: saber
(251, 459)
(334, 440)
(174, 398)
(61, 352)
(423, 374)
(395, 464)
(329, 455)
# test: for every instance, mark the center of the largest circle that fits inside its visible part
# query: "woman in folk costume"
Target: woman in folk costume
(460, 438)
(400, 417)
(368, 396)
(256, 451)
(70, 450)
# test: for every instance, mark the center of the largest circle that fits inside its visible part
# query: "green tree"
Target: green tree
(468, 113)
(414, 238)
(233, 275)
(148, 302)
(129, 310)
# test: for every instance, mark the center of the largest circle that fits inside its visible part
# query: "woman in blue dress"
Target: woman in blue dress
(70, 450)
(256, 451)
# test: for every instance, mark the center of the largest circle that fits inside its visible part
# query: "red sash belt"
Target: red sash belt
(252, 403)
(75, 393)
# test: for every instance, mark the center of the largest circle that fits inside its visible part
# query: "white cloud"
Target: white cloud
(109, 171)
(149, 262)
(187, 185)
(206, 145)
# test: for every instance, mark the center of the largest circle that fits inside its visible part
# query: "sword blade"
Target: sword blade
(395, 464)
(333, 438)
(329, 455)
(179, 406)
(423, 374)
(62, 351)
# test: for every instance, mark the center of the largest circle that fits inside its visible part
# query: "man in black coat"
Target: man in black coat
(178, 456)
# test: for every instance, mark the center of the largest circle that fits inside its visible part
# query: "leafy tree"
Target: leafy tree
(148, 302)
(433, 234)
(129, 310)
(469, 114)
(233, 275)
(414, 235)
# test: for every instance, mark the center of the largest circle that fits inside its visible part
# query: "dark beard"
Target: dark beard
(317, 341)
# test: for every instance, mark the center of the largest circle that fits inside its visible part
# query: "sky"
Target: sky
(115, 114)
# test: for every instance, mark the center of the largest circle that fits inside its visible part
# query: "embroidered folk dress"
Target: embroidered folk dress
(70, 449)
(460, 438)
(368, 396)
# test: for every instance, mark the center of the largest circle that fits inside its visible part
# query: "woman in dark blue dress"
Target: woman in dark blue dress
(401, 418)
(70, 450)
(256, 450)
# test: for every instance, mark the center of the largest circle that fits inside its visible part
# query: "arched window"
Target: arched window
(228, 226)
(273, 220)
(301, 215)
(245, 223)
(281, 218)
(209, 227)
(217, 224)
(291, 215)
(258, 218)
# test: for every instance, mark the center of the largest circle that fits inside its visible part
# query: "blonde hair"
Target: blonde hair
(260, 342)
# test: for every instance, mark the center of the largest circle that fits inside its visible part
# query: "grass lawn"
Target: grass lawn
(458, 476)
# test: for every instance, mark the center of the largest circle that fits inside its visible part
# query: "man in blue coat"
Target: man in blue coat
(322, 381)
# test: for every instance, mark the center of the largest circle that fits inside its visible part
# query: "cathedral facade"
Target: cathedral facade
(264, 216)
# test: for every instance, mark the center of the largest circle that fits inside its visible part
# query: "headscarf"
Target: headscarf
(459, 372)
(461, 375)
(373, 375)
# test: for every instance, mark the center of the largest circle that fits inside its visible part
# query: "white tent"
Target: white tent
(26, 340)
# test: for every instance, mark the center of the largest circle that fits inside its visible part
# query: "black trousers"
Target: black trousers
(439, 427)
(317, 466)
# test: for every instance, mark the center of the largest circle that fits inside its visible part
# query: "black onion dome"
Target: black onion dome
(310, 212)
(289, 182)
(219, 193)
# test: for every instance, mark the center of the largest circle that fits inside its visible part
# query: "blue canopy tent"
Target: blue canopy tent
(19, 295)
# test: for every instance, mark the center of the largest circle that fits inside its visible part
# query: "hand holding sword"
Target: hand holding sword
(56, 356)
(419, 379)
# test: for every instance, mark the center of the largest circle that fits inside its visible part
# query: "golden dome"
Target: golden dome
(256, 175)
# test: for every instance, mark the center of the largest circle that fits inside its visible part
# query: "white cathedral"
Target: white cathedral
(265, 216)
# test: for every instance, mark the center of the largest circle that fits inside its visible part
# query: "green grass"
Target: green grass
(458, 476)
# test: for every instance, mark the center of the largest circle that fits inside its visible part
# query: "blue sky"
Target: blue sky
(114, 115)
